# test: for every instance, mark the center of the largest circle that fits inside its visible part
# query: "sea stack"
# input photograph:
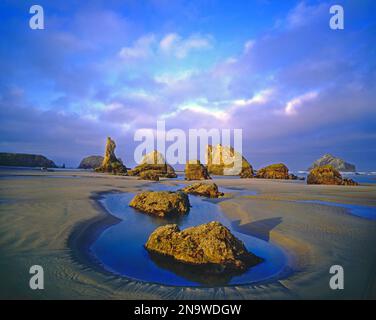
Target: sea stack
(221, 161)
(209, 246)
(110, 163)
(91, 162)
(328, 175)
(275, 171)
(194, 170)
(25, 160)
(155, 165)
(336, 163)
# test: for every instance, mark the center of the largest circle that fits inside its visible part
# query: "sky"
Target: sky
(274, 69)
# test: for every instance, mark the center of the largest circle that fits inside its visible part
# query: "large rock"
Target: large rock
(210, 246)
(209, 190)
(275, 171)
(154, 161)
(149, 175)
(221, 161)
(328, 175)
(161, 203)
(110, 163)
(336, 163)
(194, 170)
(25, 160)
(91, 162)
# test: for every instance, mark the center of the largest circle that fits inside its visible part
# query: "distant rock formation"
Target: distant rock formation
(161, 203)
(209, 190)
(110, 163)
(91, 162)
(275, 171)
(210, 246)
(328, 175)
(154, 161)
(194, 170)
(221, 161)
(25, 160)
(337, 163)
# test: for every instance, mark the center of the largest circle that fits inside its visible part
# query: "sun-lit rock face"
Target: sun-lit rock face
(328, 175)
(194, 170)
(335, 162)
(223, 160)
(151, 175)
(274, 171)
(154, 161)
(209, 190)
(210, 246)
(161, 203)
(110, 163)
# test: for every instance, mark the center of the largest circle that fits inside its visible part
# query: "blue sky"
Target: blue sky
(273, 68)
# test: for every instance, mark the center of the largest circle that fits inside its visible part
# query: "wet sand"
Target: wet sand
(48, 218)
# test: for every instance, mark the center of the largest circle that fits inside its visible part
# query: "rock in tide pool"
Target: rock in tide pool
(154, 161)
(336, 163)
(110, 163)
(210, 246)
(275, 171)
(161, 203)
(194, 170)
(91, 162)
(151, 175)
(328, 175)
(221, 160)
(209, 190)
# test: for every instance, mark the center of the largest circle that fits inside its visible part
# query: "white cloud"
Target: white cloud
(142, 48)
(292, 105)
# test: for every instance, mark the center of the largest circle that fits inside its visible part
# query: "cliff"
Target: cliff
(25, 160)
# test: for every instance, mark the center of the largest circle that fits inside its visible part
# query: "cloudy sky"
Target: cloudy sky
(272, 68)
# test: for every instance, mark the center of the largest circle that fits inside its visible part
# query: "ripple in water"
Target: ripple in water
(120, 248)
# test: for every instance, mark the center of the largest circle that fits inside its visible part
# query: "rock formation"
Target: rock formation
(337, 163)
(210, 246)
(221, 161)
(91, 162)
(149, 175)
(275, 171)
(25, 160)
(154, 161)
(194, 170)
(328, 175)
(110, 163)
(161, 203)
(209, 190)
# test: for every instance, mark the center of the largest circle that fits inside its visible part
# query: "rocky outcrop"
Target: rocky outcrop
(336, 163)
(328, 175)
(209, 190)
(275, 171)
(149, 175)
(210, 246)
(222, 161)
(110, 163)
(161, 203)
(91, 162)
(25, 160)
(194, 170)
(154, 161)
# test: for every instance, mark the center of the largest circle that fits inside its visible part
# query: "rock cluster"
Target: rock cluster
(221, 161)
(91, 162)
(110, 163)
(154, 161)
(328, 175)
(210, 246)
(336, 163)
(275, 171)
(161, 203)
(151, 175)
(209, 190)
(194, 170)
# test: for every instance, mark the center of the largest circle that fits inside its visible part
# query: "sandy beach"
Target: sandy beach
(48, 218)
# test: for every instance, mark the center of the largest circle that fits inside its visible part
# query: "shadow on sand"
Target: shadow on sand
(260, 228)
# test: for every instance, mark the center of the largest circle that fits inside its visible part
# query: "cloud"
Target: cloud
(294, 104)
(142, 48)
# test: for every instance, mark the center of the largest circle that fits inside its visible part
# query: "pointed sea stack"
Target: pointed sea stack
(110, 163)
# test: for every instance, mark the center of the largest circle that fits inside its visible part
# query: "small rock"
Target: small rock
(274, 171)
(149, 175)
(328, 175)
(161, 203)
(209, 190)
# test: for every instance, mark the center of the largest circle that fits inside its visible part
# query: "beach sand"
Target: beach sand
(47, 218)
